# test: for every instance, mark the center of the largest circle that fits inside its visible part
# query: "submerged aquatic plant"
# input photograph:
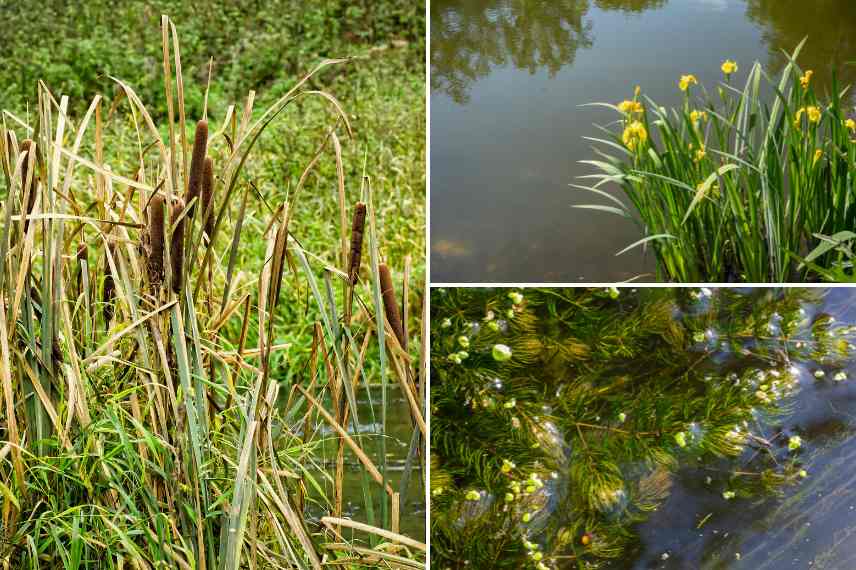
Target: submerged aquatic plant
(150, 414)
(735, 186)
(575, 434)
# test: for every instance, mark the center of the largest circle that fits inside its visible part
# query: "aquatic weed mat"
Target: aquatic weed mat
(563, 418)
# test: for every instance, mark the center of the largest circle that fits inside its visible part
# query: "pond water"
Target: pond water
(399, 431)
(811, 524)
(763, 367)
(507, 81)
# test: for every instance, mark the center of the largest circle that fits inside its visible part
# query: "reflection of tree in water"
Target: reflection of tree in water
(630, 5)
(468, 37)
(829, 25)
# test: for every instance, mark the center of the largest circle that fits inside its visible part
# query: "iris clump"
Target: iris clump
(752, 182)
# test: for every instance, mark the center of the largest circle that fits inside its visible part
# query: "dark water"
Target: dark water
(399, 430)
(809, 525)
(508, 79)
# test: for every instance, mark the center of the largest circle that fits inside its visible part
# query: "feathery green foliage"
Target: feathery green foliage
(560, 415)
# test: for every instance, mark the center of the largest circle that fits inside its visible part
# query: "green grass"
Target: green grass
(142, 426)
(760, 183)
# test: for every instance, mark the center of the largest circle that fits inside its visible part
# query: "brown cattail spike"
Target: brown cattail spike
(208, 196)
(357, 226)
(390, 304)
(200, 149)
(156, 244)
(109, 285)
(28, 193)
(176, 247)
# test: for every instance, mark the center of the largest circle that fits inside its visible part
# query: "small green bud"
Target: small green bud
(501, 352)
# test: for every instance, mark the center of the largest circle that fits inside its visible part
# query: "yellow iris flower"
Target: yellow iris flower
(696, 116)
(729, 67)
(850, 124)
(634, 135)
(686, 81)
(805, 80)
(628, 107)
(817, 154)
(813, 113)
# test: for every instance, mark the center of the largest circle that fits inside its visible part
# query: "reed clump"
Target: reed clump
(151, 414)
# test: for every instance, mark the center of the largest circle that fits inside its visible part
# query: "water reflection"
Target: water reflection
(829, 25)
(468, 39)
(630, 5)
(509, 80)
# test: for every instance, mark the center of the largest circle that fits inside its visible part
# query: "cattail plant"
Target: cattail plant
(109, 290)
(28, 191)
(357, 227)
(390, 304)
(208, 196)
(82, 261)
(176, 246)
(200, 149)
(98, 360)
(154, 261)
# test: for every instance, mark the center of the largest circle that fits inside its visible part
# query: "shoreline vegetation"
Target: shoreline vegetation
(754, 182)
(172, 340)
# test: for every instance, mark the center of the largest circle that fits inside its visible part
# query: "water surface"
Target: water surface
(810, 525)
(399, 430)
(507, 81)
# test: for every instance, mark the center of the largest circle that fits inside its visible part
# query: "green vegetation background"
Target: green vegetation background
(266, 46)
